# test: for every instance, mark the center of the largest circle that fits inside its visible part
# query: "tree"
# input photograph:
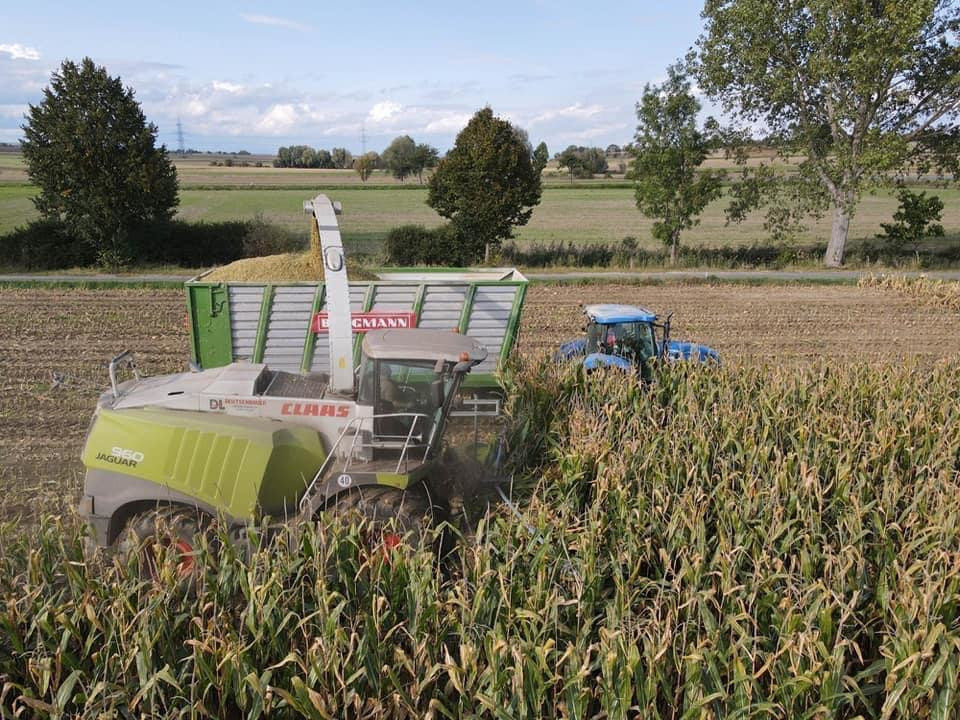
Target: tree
(366, 164)
(486, 184)
(399, 157)
(322, 159)
(862, 89)
(915, 219)
(92, 154)
(424, 157)
(582, 162)
(540, 157)
(341, 158)
(668, 150)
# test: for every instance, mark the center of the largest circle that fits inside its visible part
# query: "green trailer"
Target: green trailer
(282, 323)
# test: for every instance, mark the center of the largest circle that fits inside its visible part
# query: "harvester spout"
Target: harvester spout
(340, 334)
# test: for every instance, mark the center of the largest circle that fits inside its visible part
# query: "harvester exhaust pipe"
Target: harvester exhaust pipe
(340, 334)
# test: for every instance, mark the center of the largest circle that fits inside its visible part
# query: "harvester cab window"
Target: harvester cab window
(404, 388)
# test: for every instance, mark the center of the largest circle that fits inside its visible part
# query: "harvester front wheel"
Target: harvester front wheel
(392, 514)
(163, 534)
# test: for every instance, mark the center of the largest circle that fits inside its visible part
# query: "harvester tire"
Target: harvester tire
(392, 513)
(176, 529)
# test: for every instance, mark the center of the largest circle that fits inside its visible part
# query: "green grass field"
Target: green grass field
(593, 211)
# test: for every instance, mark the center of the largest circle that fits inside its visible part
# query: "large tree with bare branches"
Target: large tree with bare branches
(862, 90)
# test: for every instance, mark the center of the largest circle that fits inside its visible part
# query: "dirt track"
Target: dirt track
(74, 332)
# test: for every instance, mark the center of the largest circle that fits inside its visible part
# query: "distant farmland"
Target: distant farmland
(599, 210)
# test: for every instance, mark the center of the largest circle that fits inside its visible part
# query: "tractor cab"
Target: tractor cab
(622, 336)
(621, 330)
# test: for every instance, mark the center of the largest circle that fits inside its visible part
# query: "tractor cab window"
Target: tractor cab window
(629, 340)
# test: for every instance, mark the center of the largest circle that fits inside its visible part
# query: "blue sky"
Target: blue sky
(256, 76)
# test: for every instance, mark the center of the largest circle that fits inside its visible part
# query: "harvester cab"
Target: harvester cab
(244, 441)
(629, 338)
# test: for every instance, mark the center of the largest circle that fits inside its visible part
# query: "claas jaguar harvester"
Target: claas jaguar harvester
(243, 441)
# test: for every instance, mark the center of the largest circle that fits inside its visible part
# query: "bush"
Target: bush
(49, 245)
(192, 244)
(44, 245)
(914, 221)
(418, 245)
(262, 238)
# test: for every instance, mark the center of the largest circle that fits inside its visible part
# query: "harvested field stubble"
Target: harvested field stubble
(791, 324)
(734, 542)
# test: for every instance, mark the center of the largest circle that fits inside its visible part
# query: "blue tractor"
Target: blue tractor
(629, 337)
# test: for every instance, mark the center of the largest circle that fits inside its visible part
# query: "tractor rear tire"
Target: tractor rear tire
(176, 529)
(392, 513)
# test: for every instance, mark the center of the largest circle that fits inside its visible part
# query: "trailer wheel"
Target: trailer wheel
(393, 514)
(164, 534)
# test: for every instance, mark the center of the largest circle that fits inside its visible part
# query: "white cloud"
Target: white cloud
(16, 51)
(599, 131)
(452, 123)
(279, 119)
(577, 111)
(275, 21)
(195, 107)
(227, 87)
(383, 111)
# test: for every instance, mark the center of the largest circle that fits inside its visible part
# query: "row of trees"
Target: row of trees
(403, 158)
(304, 156)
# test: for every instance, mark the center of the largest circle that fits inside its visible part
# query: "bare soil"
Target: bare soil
(57, 343)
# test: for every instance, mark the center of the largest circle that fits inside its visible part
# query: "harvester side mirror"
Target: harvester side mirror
(462, 367)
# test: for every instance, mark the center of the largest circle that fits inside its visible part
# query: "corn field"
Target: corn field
(932, 292)
(723, 544)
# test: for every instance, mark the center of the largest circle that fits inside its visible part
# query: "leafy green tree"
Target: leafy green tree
(582, 162)
(860, 89)
(916, 219)
(572, 161)
(308, 158)
(366, 164)
(486, 184)
(400, 157)
(92, 154)
(424, 158)
(540, 157)
(668, 150)
(341, 158)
